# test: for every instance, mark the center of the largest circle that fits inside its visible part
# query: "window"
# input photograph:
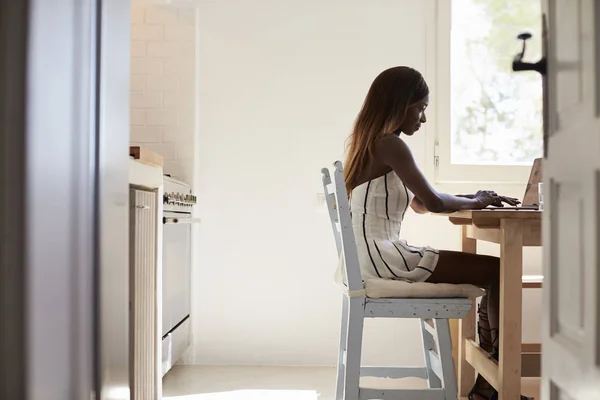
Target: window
(490, 118)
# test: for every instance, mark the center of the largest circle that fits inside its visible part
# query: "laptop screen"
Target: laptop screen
(531, 191)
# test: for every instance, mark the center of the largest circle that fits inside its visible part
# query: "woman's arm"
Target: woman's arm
(511, 201)
(418, 206)
(395, 153)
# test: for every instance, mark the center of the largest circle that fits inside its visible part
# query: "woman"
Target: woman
(383, 181)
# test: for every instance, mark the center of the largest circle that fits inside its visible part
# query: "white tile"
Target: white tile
(163, 49)
(187, 85)
(137, 117)
(162, 117)
(138, 48)
(162, 83)
(187, 15)
(187, 119)
(176, 65)
(181, 32)
(146, 32)
(187, 174)
(167, 150)
(137, 83)
(145, 65)
(161, 14)
(171, 100)
(173, 168)
(145, 134)
(187, 50)
(178, 135)
(185, 152)
(137, 14)
(146, 100)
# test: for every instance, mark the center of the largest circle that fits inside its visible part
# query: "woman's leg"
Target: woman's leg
(475, 269)
(484, 272)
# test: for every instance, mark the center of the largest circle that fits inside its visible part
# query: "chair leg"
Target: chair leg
(354, 348)
(341, 367)
(442, 328)
(429, 344)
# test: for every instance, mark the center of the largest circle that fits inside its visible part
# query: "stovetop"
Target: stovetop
(177, 196)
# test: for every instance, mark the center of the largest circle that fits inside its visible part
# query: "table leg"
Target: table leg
(466, 372)
(454, 332)
(468, 245)
(511, 270)
(464, 329)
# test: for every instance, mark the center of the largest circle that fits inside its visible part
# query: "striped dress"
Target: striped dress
(378, 207)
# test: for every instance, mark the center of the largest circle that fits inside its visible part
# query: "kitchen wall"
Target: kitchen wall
(280, 85)
(163, 83)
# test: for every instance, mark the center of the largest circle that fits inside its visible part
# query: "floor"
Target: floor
(273, 383)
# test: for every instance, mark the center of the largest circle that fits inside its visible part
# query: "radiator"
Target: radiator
(142, 288)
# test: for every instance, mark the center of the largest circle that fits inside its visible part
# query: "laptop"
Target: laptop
(530, 198)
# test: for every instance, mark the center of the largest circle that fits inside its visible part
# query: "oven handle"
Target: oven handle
(171, 220)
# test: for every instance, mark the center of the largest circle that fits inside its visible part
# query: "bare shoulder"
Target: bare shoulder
(391, 146)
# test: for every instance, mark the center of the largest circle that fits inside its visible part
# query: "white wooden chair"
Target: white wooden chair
(434, 314)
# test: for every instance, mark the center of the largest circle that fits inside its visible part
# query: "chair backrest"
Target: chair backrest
(341, 223)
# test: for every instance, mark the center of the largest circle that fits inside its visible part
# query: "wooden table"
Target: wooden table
(512, 229)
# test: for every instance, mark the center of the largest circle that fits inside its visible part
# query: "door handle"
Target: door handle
(180, 220)
(519, 65)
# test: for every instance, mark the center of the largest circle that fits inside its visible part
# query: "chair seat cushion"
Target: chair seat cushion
(387, 288)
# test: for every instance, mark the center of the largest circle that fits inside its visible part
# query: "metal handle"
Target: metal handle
(519, 65)
(542, 67)
(180, 220)
(142, 207)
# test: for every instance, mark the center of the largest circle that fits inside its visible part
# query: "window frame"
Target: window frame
(438, 75)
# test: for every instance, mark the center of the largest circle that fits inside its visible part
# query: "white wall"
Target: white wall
(280, 85)
(162, 84)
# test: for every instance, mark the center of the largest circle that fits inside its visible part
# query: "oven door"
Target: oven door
(176, 269)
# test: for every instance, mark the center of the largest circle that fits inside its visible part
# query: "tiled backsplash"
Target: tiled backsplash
(163, 83)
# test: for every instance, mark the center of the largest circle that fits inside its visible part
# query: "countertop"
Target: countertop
(145, 175)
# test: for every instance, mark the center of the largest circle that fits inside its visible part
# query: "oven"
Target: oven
(176, 270)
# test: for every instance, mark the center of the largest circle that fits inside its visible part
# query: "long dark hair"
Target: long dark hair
(382, 113)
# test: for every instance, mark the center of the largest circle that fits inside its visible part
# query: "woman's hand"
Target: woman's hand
(487, 198)
(490, 198)
(511, 201)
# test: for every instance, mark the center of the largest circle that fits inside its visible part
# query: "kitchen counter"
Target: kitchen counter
(145, 175)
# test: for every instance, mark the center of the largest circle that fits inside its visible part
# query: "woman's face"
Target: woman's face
(415, 116)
